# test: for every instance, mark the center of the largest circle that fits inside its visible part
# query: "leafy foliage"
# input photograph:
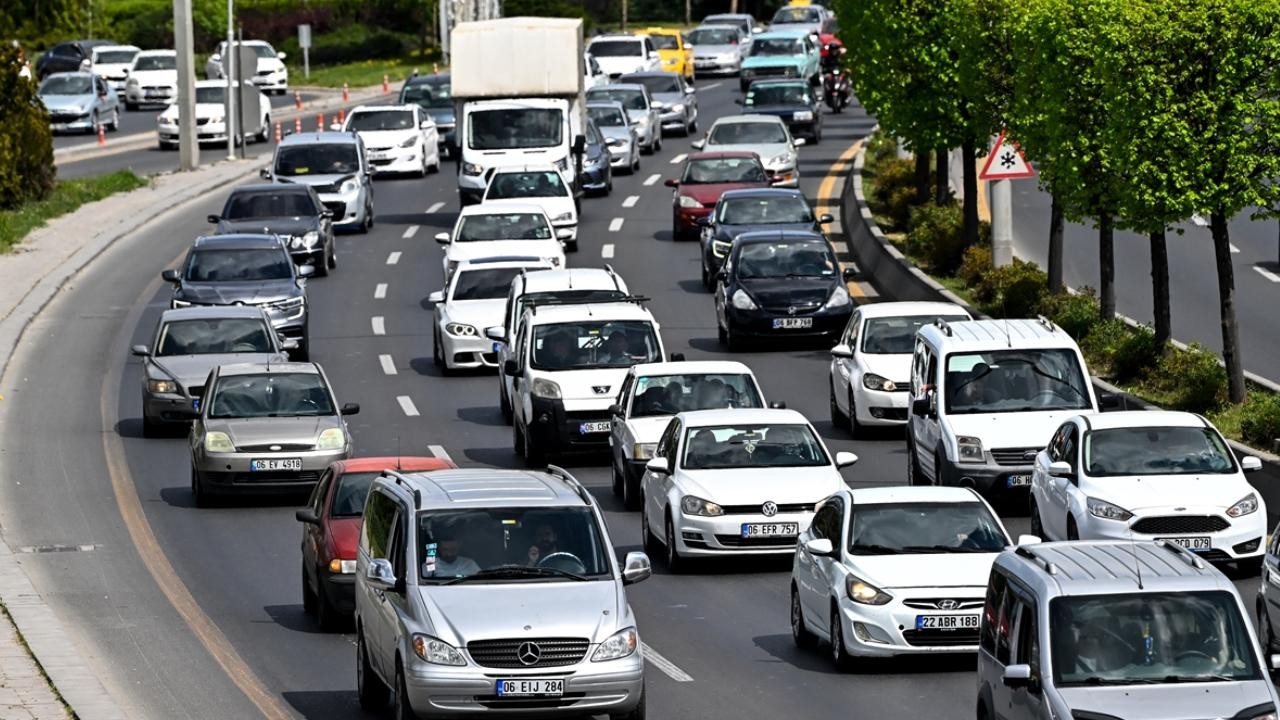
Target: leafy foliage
(26, 145)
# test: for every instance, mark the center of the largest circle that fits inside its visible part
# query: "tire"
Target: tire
(370, 689)
(638, 713)
(367, 225)
(855, 428)
(630, 491)
(647, 540)
(533, 457)
(1266, 633)
(657, 141)
(937, 470)
(693, 127)
(914, 475)
(675, 562)
(1250, 567)
(264, 133)
(504, 403)
(333, 258)
(743, 85)
(303, 353)
(619, 479)
(835, 635)
(517, 440)
(800, 634)
(983, 712)
(838, 418)
(322, 267)
(706, 277)
(731, 341)
(93, 127)
(308, 597)
(150, 428)
(571, 246)
(401, 708)
(199, 492)
(1033, 510)
(115, 121)
(1073, 532)
(131, 107)
(437, 351)
(326, 616)
(635, 164)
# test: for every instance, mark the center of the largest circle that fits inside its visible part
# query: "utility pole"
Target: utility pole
(228, 70)
(188, 148)
(625, 4)
(1001, 223)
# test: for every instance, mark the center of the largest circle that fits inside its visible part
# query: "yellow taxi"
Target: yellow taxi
(676, 55)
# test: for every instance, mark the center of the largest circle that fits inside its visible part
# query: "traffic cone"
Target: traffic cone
(297, 99)
(342, 116)
(279, 134)
(435, 68)
(386, 84)
(319, 122)
(297, 125)
(102, 134)
(346, 93)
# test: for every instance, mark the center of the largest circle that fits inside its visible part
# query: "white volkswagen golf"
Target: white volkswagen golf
(473, 301)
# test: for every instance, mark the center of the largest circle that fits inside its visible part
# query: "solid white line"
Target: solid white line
(631, 201)
(393, 258)
(410, 232)
(435, 208)
(1267, 274)
(606, 252)
(388, 365)
(439, 451)
(678, 159)
(406, 404)
(379, 325)
(615, 225)
(668, 668)
(380, 291)
(712, 86)
(652, 179)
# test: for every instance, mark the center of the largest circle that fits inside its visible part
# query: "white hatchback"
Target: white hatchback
(397, 138)
(473, 300)
(498, 230)
(541, 185)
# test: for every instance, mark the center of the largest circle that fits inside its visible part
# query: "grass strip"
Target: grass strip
(67, 196)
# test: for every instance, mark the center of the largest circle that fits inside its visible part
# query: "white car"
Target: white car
(652, 394)
(1149, 476)
(895, 571)
(397, 138)
(592, 74)
(764, 135)
(871, 366)
(498, 230)
(272, 75)
(211, 111)
(735, 482)
(622, 54)
(153, 79)
(112, 63)
(541, 185)
(473, 301)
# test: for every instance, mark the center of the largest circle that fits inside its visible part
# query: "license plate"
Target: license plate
(1017, 481)
(792, 323)
(157, 93)
(1191, 543)
(767, 530)
(946, 622)
(378, 156)
(593, 427)
(530, 687)
(276, 464)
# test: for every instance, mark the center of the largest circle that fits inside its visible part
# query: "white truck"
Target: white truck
(518, 83)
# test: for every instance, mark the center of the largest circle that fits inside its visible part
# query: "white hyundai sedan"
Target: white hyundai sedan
(397, 138)
(474, 299)
(501, 229)
(735, 482)
(895, 571)
(540, 185)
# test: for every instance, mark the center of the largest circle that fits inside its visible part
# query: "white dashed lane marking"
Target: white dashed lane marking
(652, 179)
(393, 258)
(667, 667)
(439, 451)
(406, 404)
(606, 251)
(678, 159)
(712, 86)
(631, 201)
(379, 325)
(615, 224)
(380, 291)
(1267, 274)
(388, 365)
(435, 208)
(410, 232)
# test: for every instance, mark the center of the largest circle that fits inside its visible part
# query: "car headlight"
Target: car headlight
(218, 442)
(864, 593)
(720, 248)
(471, 169)
(409, 141)
(297, 242)
(619, 645)
(563, 218)
(1107, 511)
(436, 651)
(643, 451)
(342, 567)
(742, 300)
(783, 159)
(802, 116)
(839, 298)
(693, 505)
(688, 202)
(331, 439)
(969, 449)
(288, 305)
(615, 142)
(216, 119)
(643, 121)
(872, 381)
(546, 389)
(348, 186)
(555, 261)
(167, 386)
(460, 329)
(1246, 506)
(678, 107)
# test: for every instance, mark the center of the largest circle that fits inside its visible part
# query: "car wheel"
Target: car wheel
(983, 712)
(333, 257)
(199, 493)
(571, 246)
(799, 633)
(437, 354)
(326, 614)
(693, 127)
(706, 276)
(517, 440)
(657, 140)
(303, 353)
(505, 404)
(322, 267)
(308, 597)
(1073, 532)
(743, 85)
(855, 427)
(838, 418)
(93, 127)
(638, 713)
(835, 635)
(422, 171)
(1249, 567)
(150, 428)
(130, 106)
(1266, 633)
(731, 340)
(367, 225)
(647, 539)
(1033, 510)
(914, 475)
(635, 163)
(630, 491)
(370, 689)
(675, 563)
(402, 710)
(937, 470)
(534, 457)
(619, 479)
(115, 121)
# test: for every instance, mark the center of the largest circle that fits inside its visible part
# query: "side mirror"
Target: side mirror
(798, 142)
(1060, 469)
(636, 568)
(510, 368)
(564, 234)
(169, 276)
(659, 105)
(845, 459)
(289, 344)
(436, 297)
(658, 466)
(842, 351)
(1275, 662)
(704, 221)
(849, 273)
(579, 144)
(351, 409)
(1016, 676)
(757, 30)
(380, 575)
(280, 56)
(425, 124)
(821, 547)
(615, 410)
(698, 144)
(336, 127)
(143, 351)
(1108, 401)
(825, 219)
(213, 219)
(443, 238)
(306, 271)
(265, 173)
(307, 515)
(920, 407)
(671, 183)
(1249, 463)
(326, 214)
(1029, 540)
(496, 334)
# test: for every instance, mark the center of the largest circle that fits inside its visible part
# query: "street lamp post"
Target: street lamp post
(228, 70)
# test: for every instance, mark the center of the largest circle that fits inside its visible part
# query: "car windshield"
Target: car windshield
(507, 185)
(1149, 638)
(594, 344)
(746, 446)
(786, 259)
(662, 41)
(723, 170)
(658, 83)
(155, 62)
(607, 116)
(616, 48)
(747, 133)
(1156, 451)
(262, 50)
(349, 496)
(630, 99)
(897, 335)
(428, 95)
(1015, 381)
(317, 159)
(213, 336)
(797, 15)
(778, 94)
(66, 85)
(776, 46)
(511, 544)
(509, 226)
(211, 95)
(247, 205)
(515, 128)
(372, 121)
(903, 528)
(713, 36)
(783, 209)
(240, 265)
(271, 395)
(114, 57)
(670, 394)
(483, 283)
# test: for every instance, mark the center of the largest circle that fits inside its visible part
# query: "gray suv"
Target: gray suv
(334, 163)
(494, 591)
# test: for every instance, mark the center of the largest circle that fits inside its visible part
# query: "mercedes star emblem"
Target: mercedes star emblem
(770, 508)
(948, 604)
(529, 653)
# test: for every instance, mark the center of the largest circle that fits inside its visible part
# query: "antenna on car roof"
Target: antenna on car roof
(1008, 340)
(1137, 565)
(398, 461)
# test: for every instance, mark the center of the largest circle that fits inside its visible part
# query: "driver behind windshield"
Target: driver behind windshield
(443, 557)
(545, 543)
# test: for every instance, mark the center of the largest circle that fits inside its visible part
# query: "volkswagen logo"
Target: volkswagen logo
(948, 604)
(600, 389)
(529, 654)
(770, 508)
(1182, 509)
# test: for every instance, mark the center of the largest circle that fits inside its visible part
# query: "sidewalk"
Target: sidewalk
(25, 694)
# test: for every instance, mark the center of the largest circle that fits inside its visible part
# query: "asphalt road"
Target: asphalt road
(74, 393)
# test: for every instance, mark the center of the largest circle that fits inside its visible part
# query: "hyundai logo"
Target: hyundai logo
(600, 389)
(948, 604)
(529, 653)
(770, 508)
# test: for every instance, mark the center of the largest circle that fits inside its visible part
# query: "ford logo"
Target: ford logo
(770, 508)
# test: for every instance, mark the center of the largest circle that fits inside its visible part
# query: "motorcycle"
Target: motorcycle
(835, 81)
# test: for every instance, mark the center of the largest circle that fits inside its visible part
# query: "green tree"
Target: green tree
(26, 145)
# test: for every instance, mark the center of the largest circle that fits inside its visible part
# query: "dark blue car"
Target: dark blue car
(740, 211)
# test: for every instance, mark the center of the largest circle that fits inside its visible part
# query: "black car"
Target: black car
(740, 211)
(796, 102)
(67, 57)
(433, 93)
(597, 172)
(294, 212)
(781, 285)
(246, 270)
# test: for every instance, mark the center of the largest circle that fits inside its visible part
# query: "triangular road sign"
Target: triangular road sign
(1006, 162)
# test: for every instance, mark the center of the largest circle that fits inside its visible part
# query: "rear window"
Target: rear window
(317, 159)
(616, 48)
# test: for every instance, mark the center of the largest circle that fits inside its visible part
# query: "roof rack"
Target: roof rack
(571, 481)
(617, 283)
(535, 303)
(1046, 323)
(1187, 556)
(403, 482)
(1026, 552)
(944, 326)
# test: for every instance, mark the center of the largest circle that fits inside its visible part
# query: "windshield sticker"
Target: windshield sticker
(301, 171)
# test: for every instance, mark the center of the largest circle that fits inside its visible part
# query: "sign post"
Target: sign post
(1005, 163)
(304, 42)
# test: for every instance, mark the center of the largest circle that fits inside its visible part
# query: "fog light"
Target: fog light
(1247, 547)
(692, 536)
(544, 418)
(861, 631)
(877, 412)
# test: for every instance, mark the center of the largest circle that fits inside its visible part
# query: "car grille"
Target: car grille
(263, 73)
(251, 478)
(755, 509)
(756, 542)
(202, 121)
(552, 652)
(339, 209)
(889, 413)
(328, 189)
(160, 88)
(276, 447)
(1014, 456)
(1180, 524)
(800, 309)
(935, 603)
(771, 72)
(948, 638)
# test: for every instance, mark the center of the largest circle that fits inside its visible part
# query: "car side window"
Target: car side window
(1274, 545)
(520, 345)
(1070, 442)
(1054, 448)
(997, 584)
(316, 502)
(1027, 649)
(851, 331)
(396, 543)
(666, 444)
(828, 521)
(379, 515)
(624, 394)
(931, 369)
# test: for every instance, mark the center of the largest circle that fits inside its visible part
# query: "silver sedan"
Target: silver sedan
(79, 102)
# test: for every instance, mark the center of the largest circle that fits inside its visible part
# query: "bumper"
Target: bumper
(204, 133)
(167, 408)
(786, 177)
(1243, 539)
(876, 407)
(887, 630)
(572, 227)
(596, 178)
(141, 96)
(620, 157)
(230, 471)
(988, 479)
(84, 122)
(685, 219)
(278, 81)
(396, 160)
(676, 120)
(717, 536)
(468, 352)
(805, 129)
(339, 590)
(713, 65)
(556, 429)
(348, 209)
(313, 256)
(759, 323)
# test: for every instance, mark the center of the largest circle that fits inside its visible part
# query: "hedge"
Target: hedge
(26, 144)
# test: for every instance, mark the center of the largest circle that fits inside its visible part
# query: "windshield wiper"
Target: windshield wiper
(873, 549)
(515, 571)
(1095, 680)
(945, 549)
(1197, 678)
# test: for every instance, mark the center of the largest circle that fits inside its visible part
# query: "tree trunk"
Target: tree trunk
(688, 12)
(969, 165)
(1056, 228)
(1106, 267)
(1160, 288)
(1227, 307)
(944, 180)
(922, 177)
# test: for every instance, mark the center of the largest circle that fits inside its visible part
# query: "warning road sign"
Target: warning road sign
(1006, 162)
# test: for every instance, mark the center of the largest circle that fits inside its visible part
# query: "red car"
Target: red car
(331, 531)
(704, 178)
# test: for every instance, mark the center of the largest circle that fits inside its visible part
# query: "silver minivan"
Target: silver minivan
(1113, 629)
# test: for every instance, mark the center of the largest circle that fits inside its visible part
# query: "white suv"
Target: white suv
(1149, 476)
(986, 395)
(622, 54)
